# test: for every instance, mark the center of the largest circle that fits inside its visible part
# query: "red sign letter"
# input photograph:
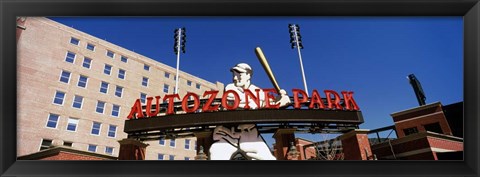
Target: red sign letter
(316, 99)
(348, 97)
(269, 96)
(170, 102)
(207, 107)
(236, 100)
(196, 102)
(329, 99)
(149, 106)
(297, 104)
(256, 99)
(136, 109)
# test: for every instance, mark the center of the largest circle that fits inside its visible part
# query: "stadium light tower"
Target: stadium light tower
(180, 40)
(296, 41)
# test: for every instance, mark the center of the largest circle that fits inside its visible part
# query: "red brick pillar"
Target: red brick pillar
(356, 146)
(283, 137)
(204, 139)
(131, 149)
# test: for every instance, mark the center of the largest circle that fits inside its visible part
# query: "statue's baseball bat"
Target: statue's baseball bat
(266, 67)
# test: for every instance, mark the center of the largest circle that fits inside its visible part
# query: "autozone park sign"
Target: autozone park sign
(193, 103)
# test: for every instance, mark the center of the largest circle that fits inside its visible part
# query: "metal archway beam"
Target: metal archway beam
(242, 117)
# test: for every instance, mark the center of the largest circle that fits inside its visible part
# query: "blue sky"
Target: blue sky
(370, 56)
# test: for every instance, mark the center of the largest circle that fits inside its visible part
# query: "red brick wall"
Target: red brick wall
(71, 156)
(354, 147)
(445, 144)
(440, 118)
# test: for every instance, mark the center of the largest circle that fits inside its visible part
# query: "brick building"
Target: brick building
(76, 90)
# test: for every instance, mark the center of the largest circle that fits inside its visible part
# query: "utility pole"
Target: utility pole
(180, 39)
(296, 41)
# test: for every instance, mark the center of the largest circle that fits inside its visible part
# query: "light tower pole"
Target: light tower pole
(296, 41)
(180, 39)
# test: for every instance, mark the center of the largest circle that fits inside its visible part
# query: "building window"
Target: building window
(52, 121)
(161, 156)
(189, 83)
(92, 148)
(82, 81)
(198, 86)
(104, 87)
(70, 57)
(409, 131)
(434, 127)
(59, 96)
(145, 81)
(112, 131)
(90, 47)
(77, 102)
(72, 124)
(46, 143)
(165, 88)
(96, 126)
(161, 142)
(109, 150)
(68, 143)
(86, 62)
(143, 97)
(124, 59)
(187, 158)
(187, 144)
(74, 41)
(195, 145)
(65, 77)
(172, 143)
(171, 157)
(108, 69)
(118, 91)
(146, 67)
(115, 110)
(167, 75)
(121, 73)
(100, 107)
(110, 54)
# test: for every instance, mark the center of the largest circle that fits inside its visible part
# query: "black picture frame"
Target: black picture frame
(469, 9)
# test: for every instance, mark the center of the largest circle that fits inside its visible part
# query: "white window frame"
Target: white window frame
(74, 57)
(121, 91)
(88, 147)
(189, 148)
(113, 150)
(56, 123)
(99, 129)
(167, 87)
(163, 156)
(74, 120)
(105, 68)
(78, 41)
(198, 86)
(174, 143)
(103, 109)
(145, 81)
(55, 96)
(119, 108)
(108, 85)
(89, 65)
(94, 47)
(167, 75)
(122, 57)
(189, 83)
(144, 98)
(86, 81)
(81, 103)
(124, 74)
(106, 54)
(61, 76)
(108, 133)
(41, 143)
(146, 67)
(164, 142)
(171, 157)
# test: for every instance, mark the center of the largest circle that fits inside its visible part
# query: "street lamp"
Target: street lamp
(296, 41)
(179, 45)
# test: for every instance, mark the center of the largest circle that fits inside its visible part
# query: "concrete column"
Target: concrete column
(204, 139)
(131, 149)
(356, 146)
(283, 137)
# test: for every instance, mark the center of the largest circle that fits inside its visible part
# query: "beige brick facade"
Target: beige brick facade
(41, 57)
